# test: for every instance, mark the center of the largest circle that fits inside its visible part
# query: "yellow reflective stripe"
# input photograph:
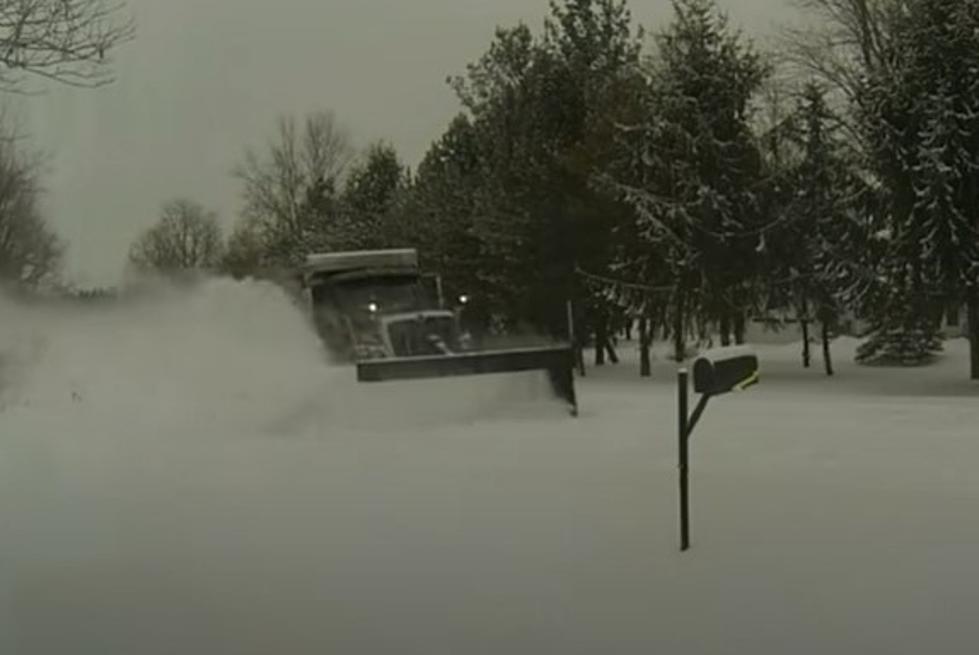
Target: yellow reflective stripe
(748, 381)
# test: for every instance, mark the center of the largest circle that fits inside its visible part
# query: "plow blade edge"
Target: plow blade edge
(558, 361)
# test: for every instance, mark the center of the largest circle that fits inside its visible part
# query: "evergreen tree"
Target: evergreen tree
(921, 114)
(539, 107)
(814, 246)
(370, 201)
(598, 51)
(694, 184)
(439, 215)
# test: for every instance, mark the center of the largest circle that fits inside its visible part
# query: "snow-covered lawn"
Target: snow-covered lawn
(186, 477)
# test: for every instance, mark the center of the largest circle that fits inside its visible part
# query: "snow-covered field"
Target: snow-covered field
(185, 475)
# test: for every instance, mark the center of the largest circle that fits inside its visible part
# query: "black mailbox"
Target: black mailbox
(725, 369)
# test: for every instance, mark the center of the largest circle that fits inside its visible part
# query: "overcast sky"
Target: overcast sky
(205, 78)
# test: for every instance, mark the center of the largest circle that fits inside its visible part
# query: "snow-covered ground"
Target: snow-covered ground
(186, 475)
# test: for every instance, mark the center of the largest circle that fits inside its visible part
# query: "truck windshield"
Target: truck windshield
(384, 295)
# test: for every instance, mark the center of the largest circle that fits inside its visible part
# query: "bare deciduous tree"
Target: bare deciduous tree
(848, 39)
(68, 41)
(29, 251)
(187, 237)
(290, 188)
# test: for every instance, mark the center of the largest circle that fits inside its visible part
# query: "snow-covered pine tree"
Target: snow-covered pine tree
(921, 114)
(541, 108)
(949, 241)
(827, 196)
(691, 186)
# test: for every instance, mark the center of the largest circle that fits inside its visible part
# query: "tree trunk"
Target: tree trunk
(973, 318)
(739, 329)
(612, 355)
(628, 329)
(601, 339)
(577, 343)
(827, 358)
(725, 328)
(803, 321)
(805, 343)
(679, 334)
(645, 337)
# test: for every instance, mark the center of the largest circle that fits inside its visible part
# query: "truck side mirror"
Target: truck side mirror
(722, 370)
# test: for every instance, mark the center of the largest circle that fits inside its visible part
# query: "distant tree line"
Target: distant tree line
(688, 187)
(686, 184)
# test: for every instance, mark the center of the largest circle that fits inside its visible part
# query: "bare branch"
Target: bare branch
(280, 183)
(67, 41)
(847, 40)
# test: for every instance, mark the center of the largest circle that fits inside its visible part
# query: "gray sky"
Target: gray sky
(205, 78)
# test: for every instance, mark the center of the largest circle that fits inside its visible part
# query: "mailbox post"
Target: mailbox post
(715, 372)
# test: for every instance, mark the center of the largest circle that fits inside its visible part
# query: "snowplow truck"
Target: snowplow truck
(377, 310)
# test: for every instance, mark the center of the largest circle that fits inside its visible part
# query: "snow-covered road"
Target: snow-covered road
(186, 476)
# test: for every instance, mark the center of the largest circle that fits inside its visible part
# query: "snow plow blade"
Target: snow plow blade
(558, 361)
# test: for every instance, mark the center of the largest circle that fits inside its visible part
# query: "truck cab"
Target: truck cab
(377, 304)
